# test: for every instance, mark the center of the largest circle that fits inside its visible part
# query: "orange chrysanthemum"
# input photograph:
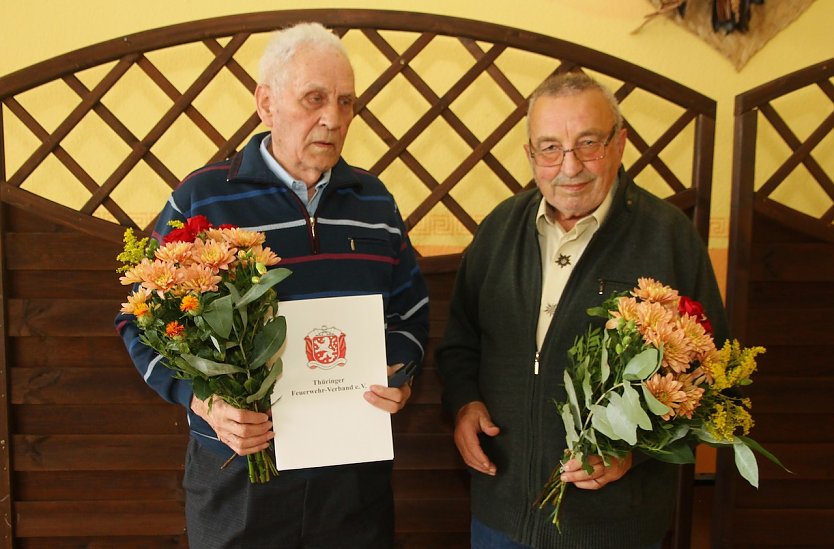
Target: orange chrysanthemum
(198, 279)
(264, 256)
(137, 303)
(212, 253)
(698, 340)
(174, 329)
(237, 238)
(649, 289)
(694, 392)
(667, 390)
(175, 252)
(189, 303)
(160, 276)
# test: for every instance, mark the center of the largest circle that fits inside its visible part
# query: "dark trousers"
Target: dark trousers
(349, 506)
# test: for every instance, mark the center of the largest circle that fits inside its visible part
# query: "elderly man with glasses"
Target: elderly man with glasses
(537, 263)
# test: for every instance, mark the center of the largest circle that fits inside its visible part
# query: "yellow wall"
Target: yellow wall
(39, 29)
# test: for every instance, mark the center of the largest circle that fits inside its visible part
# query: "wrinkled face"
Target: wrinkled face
(574, 189)
(309, 114)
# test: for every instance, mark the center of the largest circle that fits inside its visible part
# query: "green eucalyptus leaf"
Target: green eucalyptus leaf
(642, 365)
(200, 387)
(601, 312)
(251, 385)
(218, 314)
(183, 366)
(746, 463)
(677, 452)
(268, 341)
(571, 437)
(604, 368)
(621, 424)
(760, 449)
(706, 437)
(267, 281)
(244, 317)
(209, 367)
(600, 422)
(268, 382)
(632, 407)
(587, 391)
(574, 402)
(655, 406)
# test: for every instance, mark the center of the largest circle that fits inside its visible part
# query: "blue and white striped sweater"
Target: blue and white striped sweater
(356, 244)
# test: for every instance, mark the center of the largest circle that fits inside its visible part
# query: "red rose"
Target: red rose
(179, 235)
(198, 224)
(688, 306)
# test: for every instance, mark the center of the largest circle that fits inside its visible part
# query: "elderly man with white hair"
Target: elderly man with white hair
(339, 230)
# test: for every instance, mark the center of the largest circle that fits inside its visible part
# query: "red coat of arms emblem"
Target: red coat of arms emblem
(326, 348)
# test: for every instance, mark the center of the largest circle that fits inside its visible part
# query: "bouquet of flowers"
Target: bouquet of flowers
(204, 300)
(653, 379)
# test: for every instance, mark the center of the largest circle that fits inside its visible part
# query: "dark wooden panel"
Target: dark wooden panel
(37, 251)
(100, 542)
(427, 388)
(98, 485)
(767, 231)
(793, 493)
(783, 527)
(435, 451)
(816, 361)
(421, 418)
(792, 395)
(98, 452)
(414, 484)
(61, 317)
(27, 221)
(89, 352)
(790, 327)
(794, 261)
(807, 461)
(66, 285)
(158, 418)
(433, 515)
(797, 427)
(79, 386)
(791, 295)
(459, 540)
(95, 518)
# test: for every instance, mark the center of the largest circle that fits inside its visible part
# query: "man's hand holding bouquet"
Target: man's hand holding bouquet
(204, 300)
(653, 380)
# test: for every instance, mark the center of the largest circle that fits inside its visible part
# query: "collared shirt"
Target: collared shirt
(298, 187)
(560, 250)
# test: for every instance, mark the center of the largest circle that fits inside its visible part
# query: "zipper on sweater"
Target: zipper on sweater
(311, 224)
(314, 235)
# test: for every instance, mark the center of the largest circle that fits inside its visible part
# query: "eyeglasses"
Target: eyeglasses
(586, 150)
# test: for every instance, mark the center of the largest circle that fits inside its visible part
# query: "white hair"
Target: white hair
(285, 43)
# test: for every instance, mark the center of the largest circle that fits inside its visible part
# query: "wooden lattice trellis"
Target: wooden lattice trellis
(224, 37)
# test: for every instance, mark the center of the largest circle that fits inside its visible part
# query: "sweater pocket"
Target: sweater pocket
(370, 245)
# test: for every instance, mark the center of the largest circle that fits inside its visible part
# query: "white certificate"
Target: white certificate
(334, 351)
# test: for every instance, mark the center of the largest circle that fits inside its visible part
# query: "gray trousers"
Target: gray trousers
(349, 506)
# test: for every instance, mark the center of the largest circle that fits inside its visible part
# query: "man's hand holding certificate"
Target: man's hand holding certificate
(334, 353)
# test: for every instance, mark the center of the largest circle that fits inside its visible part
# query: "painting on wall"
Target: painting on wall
(736, 28)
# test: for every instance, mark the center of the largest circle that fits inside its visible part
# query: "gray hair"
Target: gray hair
(572, 83)
(285, 43)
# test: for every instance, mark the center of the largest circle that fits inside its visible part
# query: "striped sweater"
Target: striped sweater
(355, 244)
